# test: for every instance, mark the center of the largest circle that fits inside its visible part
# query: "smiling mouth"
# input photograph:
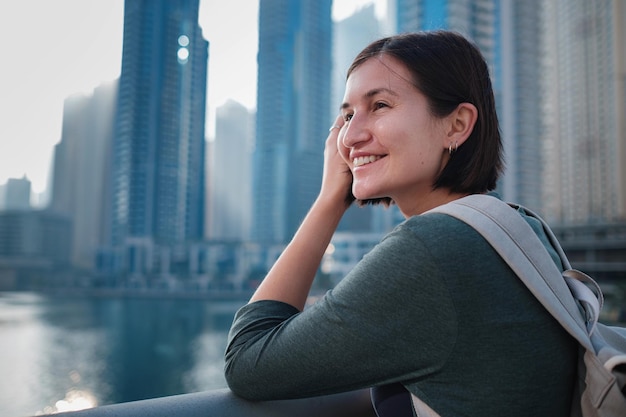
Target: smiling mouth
(364, 160)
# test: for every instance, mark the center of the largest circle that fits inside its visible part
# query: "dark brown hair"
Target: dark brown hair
(450, 70)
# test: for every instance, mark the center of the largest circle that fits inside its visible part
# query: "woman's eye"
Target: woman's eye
(379, 105)
(347, 117)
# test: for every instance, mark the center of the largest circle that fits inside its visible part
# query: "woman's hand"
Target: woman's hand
(337, 178)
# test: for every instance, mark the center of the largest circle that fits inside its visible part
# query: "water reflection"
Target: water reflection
(74, 400)
(61, 353)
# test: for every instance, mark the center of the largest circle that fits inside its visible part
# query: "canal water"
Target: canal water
(62, 353)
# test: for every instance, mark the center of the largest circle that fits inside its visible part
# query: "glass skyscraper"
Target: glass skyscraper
(81, 169)
(585, 123)
(158, 165)
(294, 85)
(518, 77)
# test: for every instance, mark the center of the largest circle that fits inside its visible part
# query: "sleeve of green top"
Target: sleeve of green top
(389, 320)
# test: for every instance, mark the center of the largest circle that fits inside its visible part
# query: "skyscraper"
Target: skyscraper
(517, 76)
(350, 36)
(231, 189)
(17, 194)
(294, 84)
(159, 146)
(473, 18)
(586, 127)
(80, 171)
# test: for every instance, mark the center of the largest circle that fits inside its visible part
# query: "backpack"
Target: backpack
(571, 296)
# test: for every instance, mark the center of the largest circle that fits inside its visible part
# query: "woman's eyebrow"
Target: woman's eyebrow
(371, 93)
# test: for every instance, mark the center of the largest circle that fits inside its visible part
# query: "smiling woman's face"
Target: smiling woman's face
(392, 143)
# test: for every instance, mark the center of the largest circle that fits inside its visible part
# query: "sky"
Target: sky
(53, 49)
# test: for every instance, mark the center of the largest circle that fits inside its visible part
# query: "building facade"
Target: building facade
(17, 193)
(81, 166)
(518, 84)
(585, 125)
(158, 163)
(35, 248)
(230, 192)
(293, 96)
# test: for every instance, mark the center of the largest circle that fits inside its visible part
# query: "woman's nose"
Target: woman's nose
(355, 132)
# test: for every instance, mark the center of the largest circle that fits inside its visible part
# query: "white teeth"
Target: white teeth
(362, 160)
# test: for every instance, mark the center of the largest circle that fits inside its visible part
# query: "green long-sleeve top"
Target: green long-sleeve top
(433, 307)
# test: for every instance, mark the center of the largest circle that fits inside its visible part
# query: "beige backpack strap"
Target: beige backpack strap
(421, 408)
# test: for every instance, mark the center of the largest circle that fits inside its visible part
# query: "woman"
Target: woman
(432, 308)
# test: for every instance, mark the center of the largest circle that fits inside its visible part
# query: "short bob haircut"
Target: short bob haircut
(450, 70)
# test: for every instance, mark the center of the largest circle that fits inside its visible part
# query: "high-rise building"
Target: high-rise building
(293, 99)
(584, 115)
(80, 169)
(34, 248)
(517, 77)
(159, 145)
(350, 36)
(17, 194)
(230, 193)
(475, 19)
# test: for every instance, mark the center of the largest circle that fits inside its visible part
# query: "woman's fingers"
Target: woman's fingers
(337, 179)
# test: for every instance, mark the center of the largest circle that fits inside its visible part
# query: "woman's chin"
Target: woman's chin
(360, 195)
(363, 195)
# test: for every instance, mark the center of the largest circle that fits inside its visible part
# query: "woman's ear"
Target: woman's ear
(461, 124)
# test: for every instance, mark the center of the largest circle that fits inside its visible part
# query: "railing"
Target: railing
(223, 403)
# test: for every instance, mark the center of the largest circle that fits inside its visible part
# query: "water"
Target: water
(62, 353)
